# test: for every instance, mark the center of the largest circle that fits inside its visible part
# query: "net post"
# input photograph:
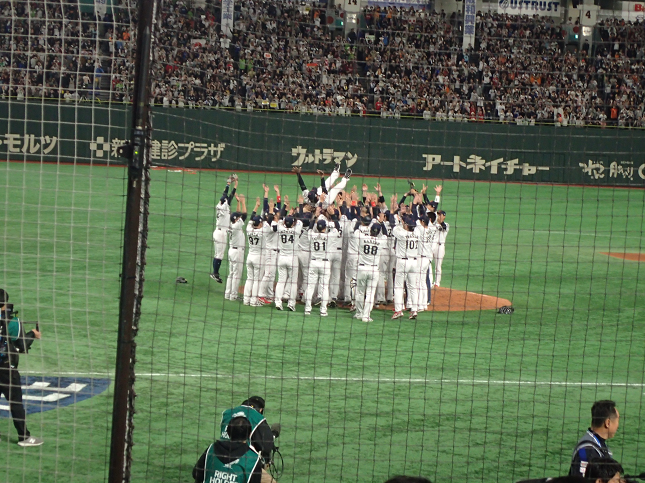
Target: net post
(134, 244)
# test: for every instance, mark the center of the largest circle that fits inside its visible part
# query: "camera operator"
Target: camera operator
(262, 436)
(231, 459)
(13, 342)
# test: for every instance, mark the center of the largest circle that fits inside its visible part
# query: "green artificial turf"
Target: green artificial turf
(462, 396)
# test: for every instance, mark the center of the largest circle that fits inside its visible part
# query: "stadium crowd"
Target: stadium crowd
(282, 56)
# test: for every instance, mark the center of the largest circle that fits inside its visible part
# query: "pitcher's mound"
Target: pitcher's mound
(450, 300)
(634, 257)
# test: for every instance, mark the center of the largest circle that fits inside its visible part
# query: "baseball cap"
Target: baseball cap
(321, 225)
(234, 216)
(289, 221)
(256, 220)
(441, 212)
(434, 204)
(375, 229)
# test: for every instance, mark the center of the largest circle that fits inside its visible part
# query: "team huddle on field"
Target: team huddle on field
(332, 246)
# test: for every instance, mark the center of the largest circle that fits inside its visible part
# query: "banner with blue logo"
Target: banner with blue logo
(40, 393)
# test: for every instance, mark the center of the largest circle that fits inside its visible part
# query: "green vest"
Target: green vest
(254, 417)
(238, 471)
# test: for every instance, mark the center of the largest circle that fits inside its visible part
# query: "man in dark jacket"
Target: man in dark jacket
(13, 341)
(593, 444)
(232, 460)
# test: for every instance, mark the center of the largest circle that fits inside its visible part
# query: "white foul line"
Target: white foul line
(369, 380)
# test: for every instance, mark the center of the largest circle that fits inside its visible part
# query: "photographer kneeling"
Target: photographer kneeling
(230, 460)
(262, 435)
(13, 342)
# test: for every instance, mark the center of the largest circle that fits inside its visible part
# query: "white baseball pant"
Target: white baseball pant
(235, 269)
(268, 278)
(254, 271)
(407, 273)
(287, 278)
(366, 282)
(423, 286)
(220, 239)
(319, 271)
(385, 287)
(439, 254)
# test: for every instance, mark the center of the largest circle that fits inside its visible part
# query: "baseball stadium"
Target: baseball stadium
(357, 241)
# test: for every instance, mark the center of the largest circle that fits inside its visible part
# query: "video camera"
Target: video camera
(8, 313)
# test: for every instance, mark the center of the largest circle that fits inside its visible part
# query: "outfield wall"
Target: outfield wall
(271, 141)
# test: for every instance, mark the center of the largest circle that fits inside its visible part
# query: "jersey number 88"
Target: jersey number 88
(370, 249)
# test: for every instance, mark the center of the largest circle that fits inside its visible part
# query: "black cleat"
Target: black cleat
(337, 167)
(333, 304)
(348, 173)
(215, 276)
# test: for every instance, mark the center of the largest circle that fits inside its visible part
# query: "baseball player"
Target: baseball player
(326, 185)
(223, 215)
(370, 247)
(439, 249)
(426, 231)
(271, 249)
(289, 230)
(407, 270)
(385, 287)
(335, 258)
(303, 261)
(319, 266)
(256, 234)
(237, 244)
(351, 262)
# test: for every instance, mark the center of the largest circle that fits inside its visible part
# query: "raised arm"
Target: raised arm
(276, 188)
(230, 197)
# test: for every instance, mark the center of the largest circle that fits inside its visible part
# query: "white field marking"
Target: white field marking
(580, 233)
(371, 380)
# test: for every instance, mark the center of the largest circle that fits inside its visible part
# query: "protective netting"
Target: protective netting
(539, 216)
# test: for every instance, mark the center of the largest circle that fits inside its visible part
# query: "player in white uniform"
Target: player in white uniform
(336, 261)
(329, 188)
(220, 235)
(256, 233)
(385, 287)
(370, 247)
(319, 266)
(237, 244)
(303, 261)
(440, 246)
(271, 250)
(288, 232)
(351, 262)
(426, 231)
(407, 270)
